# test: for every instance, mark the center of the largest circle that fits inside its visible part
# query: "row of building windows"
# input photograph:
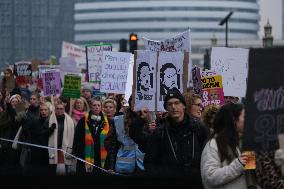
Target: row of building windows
(114, 20)
(152, 0)
(98, 31)
(152, 9)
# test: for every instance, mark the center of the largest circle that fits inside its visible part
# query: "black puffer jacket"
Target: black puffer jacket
(181, 156)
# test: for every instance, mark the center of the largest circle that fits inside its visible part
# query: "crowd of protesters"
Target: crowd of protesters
(188, 140)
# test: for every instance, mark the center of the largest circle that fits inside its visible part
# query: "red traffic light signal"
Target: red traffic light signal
(133, 40)
(133, 37)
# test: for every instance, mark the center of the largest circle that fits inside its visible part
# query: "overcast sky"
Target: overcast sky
(272, 10)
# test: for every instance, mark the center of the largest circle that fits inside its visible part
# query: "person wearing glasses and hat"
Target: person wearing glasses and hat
(174, 149)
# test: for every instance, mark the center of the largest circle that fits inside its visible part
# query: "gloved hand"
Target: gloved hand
(53, 126)
(279, 157)
(51, 129)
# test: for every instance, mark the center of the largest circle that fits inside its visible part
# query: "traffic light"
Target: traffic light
(123, 45)
(133, 40)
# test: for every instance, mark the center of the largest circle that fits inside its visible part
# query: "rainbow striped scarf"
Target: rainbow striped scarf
(89, 141)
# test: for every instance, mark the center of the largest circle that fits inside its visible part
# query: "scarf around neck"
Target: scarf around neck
(89, 141)
(77, 115)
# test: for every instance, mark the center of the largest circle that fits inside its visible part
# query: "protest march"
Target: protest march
(97, 112)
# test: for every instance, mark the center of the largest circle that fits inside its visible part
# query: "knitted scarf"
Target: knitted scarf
(89, 141)
(77, 115)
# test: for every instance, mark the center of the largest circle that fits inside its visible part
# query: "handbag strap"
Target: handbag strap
(172, 147)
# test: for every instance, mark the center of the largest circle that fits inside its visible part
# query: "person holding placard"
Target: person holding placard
(222, 163)
(174, 149)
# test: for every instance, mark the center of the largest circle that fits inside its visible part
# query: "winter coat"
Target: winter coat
(221, 175)
(9, 158)
(138, 133)
(181, 157)
(111, 144)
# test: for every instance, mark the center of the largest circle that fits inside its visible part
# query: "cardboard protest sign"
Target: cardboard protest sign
(170, 75)
(23, 68)
(95, 60)
(170, 71)
(23, 72)
(75, 51)
(68, 64)
(264, 104)
(51, 83)
(212, 90)
(72, 86)
(208, 84)
(196, 79)
(232, 64)
(114, 72)
(145, 80)
(43, 69)
(180, 42)
(128, 90)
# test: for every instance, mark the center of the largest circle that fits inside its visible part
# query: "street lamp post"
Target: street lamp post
(225, 20)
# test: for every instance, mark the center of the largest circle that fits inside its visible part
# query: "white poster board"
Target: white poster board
(128, 90)
(180, 42)
(232, 64)
(75, 51)
(170, 75)
(114, 72)
(95, 60)
(145, 69)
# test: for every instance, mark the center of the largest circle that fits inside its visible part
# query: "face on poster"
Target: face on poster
(145, 80)
(170, 70)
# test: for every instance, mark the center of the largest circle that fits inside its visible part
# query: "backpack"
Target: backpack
(128, 156)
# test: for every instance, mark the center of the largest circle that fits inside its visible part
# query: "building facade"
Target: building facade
(111, 20)
(34, 29)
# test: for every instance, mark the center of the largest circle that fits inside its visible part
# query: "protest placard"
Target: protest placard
(114, 72)
(75, 51)
(212, 90)
(129, 84)
(95, 60)
(23, 72)
(144, 79)
(51, 83)
(23, 68)
(170, 75)
(72, 86)
(264, 104)
(232, 64)
(180, 42)
(169, 72)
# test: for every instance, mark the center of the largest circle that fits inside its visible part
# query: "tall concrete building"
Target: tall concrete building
(34, 28)
(111, 20)
(282, 19)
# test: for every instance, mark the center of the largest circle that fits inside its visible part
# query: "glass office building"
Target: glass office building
(34, 29)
